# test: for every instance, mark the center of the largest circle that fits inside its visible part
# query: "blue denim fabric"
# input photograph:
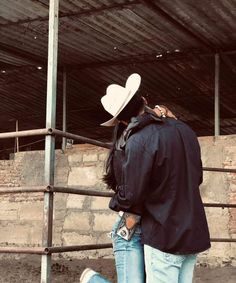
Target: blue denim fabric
(163, 267)
(129, 258)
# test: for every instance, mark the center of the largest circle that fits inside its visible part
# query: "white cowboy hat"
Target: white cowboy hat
(117, 97)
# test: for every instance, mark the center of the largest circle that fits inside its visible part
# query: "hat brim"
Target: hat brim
(110, 123)
(113, 121)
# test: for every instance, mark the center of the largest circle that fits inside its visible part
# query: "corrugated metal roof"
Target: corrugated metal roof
(170, 43)
(213, 20)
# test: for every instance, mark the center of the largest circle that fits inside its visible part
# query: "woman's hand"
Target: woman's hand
(164, 110)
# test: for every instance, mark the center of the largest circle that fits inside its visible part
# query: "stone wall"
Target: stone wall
(220, 188)
(86, 220)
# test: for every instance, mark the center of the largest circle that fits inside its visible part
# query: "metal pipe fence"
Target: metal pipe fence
(49, 189)
(47, 248)
(50, 133)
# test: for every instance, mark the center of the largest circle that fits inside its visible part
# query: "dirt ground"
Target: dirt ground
(27, 270)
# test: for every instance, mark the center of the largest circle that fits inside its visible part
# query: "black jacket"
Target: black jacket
(158, 170)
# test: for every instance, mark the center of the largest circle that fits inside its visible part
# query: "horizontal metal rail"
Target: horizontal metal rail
(222, 170)
(82, 191)
(51, 250)
(77, 248)
(223, 240)
(16, 250)
(50, 131)
(222, 205)
(29, 133)
(19, 190)
(110, 194)
(80, 138)
(79, 191)
(109, 245)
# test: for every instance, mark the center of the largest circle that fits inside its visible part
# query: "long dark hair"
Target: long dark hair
(132, 109)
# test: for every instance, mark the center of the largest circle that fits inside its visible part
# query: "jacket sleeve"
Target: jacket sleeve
(136, 175)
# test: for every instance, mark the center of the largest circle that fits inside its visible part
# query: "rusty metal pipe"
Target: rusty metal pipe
(223, 240)
(81, 191)
(39, 251)
(77, 248)
(19, 190)
(222, 170)
(29, 133)
(223, 205)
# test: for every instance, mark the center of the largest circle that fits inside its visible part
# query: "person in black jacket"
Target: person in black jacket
(129, 255)
(155, 170)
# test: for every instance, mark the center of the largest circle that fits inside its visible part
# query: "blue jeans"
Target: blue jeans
(129, 258)
(163, 267)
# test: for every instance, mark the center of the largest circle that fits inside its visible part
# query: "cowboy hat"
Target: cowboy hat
(117, 97)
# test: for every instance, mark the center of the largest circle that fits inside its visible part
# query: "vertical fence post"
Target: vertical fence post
(17, 139)
(217, 95)
(64, 108)
(50, 140)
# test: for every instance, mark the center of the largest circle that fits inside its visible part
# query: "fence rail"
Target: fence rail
(83, 191)
(63, 249)
(29, 133)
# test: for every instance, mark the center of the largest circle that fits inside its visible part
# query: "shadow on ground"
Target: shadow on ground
(27, 270)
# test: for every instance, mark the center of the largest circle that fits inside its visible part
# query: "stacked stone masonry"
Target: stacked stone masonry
(80, 219)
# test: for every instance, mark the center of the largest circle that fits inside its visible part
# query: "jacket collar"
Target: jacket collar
(136, 124)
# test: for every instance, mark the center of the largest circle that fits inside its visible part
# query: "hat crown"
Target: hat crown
(117, 97)
(114, 99)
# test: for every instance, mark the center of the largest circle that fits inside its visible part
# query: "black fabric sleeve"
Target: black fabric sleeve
(136, 174)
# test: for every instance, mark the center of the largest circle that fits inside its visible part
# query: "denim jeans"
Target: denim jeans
(129, 258)
(163, 267)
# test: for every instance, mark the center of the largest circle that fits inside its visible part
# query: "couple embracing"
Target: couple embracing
(155, 169)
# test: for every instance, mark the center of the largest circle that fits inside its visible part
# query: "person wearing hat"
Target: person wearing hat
(155, 169)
